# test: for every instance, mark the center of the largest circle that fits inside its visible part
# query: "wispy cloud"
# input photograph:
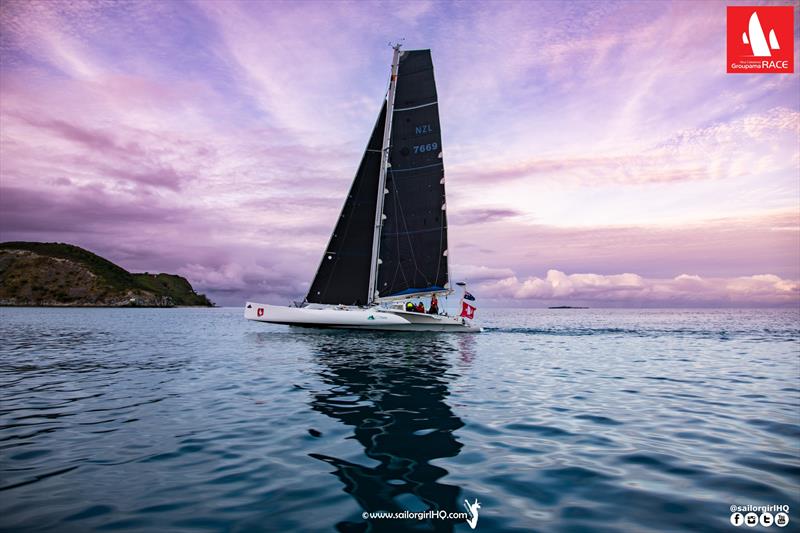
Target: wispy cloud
(219, 139)
(483, 216)
(752, 145)
(632, 289)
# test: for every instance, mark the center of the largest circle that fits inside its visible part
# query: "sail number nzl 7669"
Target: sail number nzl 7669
(422, 148)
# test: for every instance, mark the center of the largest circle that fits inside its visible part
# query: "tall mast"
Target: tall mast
(387, 130)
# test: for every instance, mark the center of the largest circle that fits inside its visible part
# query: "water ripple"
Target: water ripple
(570, 420)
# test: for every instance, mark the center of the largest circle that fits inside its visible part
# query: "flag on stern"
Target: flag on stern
(467, 311)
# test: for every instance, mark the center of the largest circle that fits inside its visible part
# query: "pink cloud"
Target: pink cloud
(712, 248)
(217, 140)
(722, 150)
(246, 280)
(632, 289)
(483, 215)
(480, 273)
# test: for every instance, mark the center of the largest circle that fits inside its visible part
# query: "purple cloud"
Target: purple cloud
(218, 140)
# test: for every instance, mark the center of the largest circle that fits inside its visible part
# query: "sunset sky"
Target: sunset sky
(595, 152)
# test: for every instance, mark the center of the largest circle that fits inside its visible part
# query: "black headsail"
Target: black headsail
(413, 244)
(343, 274)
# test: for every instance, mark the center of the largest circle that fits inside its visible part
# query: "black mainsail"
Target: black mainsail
(409, 254)
(343, 274)
(413, 244)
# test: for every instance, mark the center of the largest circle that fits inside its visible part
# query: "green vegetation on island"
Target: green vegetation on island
(57, 274)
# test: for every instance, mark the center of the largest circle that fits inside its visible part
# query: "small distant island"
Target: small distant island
(63, 275)
(566, 307)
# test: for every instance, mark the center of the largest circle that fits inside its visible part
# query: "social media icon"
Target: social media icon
(781, 519)
(737, 519)
(751, 519)
(765, 519)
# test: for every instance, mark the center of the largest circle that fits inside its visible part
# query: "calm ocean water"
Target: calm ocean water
(567, 420)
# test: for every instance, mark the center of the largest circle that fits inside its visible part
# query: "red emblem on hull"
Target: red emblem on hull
(260, 311)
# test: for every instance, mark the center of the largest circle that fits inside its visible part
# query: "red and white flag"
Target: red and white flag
(467, 311)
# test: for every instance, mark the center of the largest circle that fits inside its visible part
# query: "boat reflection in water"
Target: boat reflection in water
(391, 389)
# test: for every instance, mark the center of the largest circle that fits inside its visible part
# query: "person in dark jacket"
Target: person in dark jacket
(410, 306)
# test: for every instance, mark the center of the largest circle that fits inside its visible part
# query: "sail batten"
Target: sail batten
(414, 107)
(439, 164)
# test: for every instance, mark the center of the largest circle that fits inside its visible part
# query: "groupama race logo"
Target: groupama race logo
(761, 39)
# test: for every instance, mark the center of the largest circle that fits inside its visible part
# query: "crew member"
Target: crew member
(410, 306)
(434, 310)
(420, 307)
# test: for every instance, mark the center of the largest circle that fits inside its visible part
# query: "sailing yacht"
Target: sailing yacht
(390, 240)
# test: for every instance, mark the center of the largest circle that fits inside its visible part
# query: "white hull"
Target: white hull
(374, 318)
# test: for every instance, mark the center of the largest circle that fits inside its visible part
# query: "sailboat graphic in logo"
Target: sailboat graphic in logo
(757, 40)
(752, 36)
